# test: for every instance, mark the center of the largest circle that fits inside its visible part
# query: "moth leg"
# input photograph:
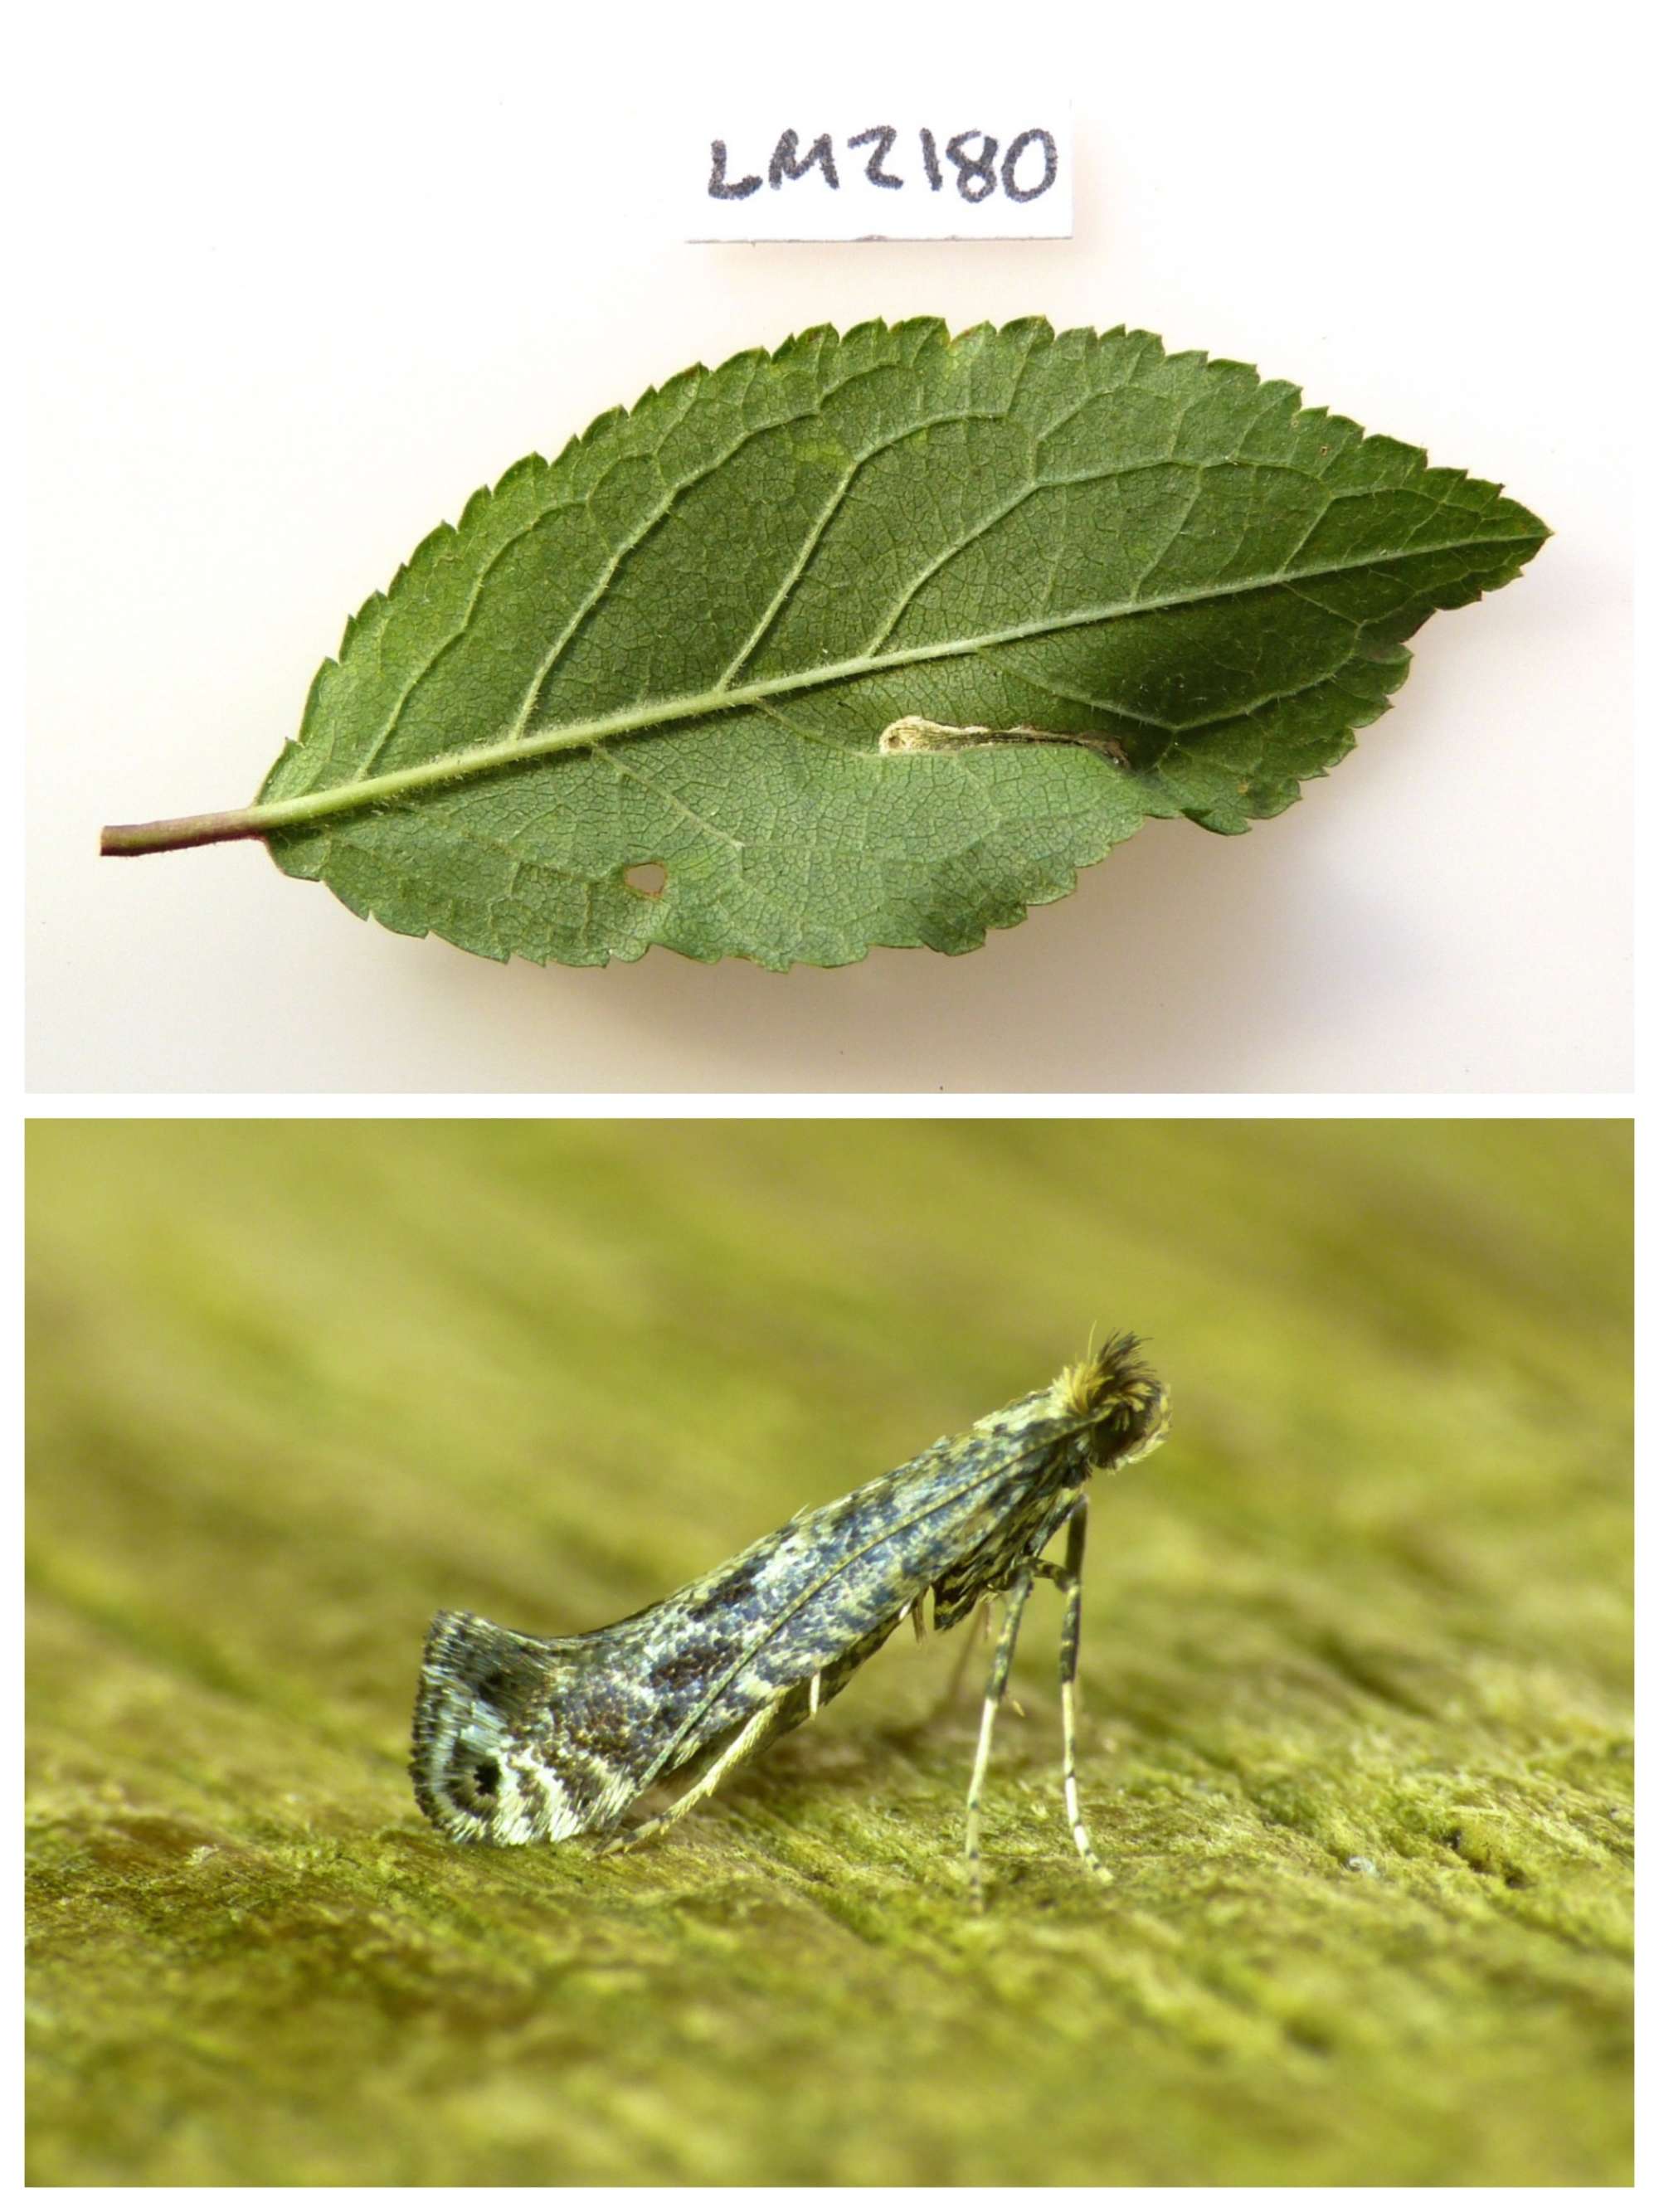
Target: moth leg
(979, 1631)
(746, 1742)
(1069, 1578)
(1014, 1602)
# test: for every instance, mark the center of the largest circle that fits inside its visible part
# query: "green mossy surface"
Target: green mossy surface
(1356, 1661)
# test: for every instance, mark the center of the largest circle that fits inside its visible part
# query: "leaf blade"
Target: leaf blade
(681, 642)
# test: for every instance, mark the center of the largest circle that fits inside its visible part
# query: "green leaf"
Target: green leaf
(875, 640)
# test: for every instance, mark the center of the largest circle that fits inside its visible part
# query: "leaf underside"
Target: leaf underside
(741, 583)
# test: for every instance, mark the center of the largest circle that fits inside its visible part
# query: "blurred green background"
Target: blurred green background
(1355, 1666)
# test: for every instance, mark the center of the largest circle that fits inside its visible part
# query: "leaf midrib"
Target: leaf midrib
(371, 792)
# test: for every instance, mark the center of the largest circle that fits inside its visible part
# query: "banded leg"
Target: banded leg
(746, 1742)
(978, 1630)
(1069, 1578)
(1014, 1603)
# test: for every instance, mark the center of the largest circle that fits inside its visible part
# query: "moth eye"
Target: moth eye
(488, 1776)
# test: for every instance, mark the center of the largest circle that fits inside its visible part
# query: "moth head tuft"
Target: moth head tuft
(1122, 1406)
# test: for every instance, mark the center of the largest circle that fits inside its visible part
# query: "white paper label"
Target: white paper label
(955, 169)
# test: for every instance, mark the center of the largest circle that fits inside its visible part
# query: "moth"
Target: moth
(522, 1738)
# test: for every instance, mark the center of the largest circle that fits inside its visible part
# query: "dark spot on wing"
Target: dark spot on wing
(734, 1584)
(606, 1730)
(508, 1677)
(680, 1670)
(473, 1782)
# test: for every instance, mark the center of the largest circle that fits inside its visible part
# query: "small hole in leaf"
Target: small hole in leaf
(648, 878)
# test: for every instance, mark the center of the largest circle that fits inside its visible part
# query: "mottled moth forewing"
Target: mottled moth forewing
(521, 1738)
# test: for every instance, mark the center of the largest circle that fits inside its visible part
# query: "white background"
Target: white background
(303, 279)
